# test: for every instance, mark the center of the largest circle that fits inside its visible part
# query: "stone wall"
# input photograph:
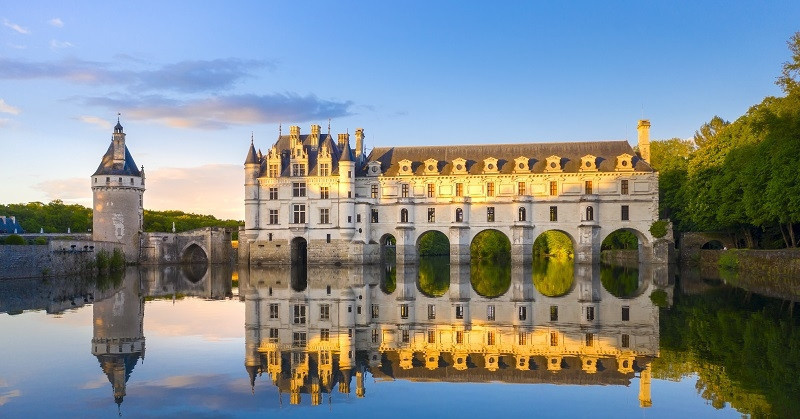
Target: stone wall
(775, 273)
(59, 257)
(169, 248)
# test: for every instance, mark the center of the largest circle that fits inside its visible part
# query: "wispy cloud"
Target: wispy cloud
(73, 189)
(56, 44)
(15, 27)
(5, 397)
(94, 120)
(57, 22)
(6, 108)
(4, 122)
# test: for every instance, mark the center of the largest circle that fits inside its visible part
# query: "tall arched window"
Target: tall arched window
(589, 213)
(522, 216)
(459, 215)
(403, 215)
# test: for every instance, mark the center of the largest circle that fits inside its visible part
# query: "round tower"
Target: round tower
(118, 191)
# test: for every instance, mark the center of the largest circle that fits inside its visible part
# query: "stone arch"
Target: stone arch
(553, 270)
(569, 236)
(490, 271)
(194, 253)
(623, 282)
(692, 243)
(642, 243)
(388, 279)
(433, 276)
(299, 264)
(437, 248)
(712, 245)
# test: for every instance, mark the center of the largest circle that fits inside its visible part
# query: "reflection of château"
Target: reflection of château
(310, 338)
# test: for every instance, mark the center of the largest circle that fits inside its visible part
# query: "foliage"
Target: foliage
(620, 239)
(555, 244)
(490, 278)
(389, 283)
(55, 217)
(185, 221)
(433, 243)
(728, 260)
(788, 80)
(659, 228)
(15, 239)
(40, 241)
(490, 244)
(434, 275)
(553, 277)
(619, 281)
(659, 298)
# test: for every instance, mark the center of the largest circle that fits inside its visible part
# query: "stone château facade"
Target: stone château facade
(314, 196)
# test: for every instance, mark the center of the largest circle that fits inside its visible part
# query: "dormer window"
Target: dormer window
(405, 167)
(624, 163)
(459, 166)
(521, 165)
(490, 165)
(374, 168)
(431, 167)
(588, 163)
(553, 164)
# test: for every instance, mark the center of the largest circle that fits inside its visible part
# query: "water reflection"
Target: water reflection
(553, 277)
(324, 338)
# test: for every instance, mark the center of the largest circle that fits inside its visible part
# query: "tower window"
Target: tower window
(403, 215)
(588, 187)
(522, 215)
(625, 213)
(589, 213)
(374, 191)
(623, 187)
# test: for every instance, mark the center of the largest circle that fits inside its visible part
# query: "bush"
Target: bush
(728, 261)
(40, 241)
(659, 228)
(117, 261)
(15, 239)
(659, 298)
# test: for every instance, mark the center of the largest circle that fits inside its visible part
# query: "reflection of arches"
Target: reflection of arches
(388, 281)
(623, 282)
(490, 267)
(433, 243)
(554, 277)
(403, 215)
(433, 277)
(713, 245)
(195, 262)
(194, 272)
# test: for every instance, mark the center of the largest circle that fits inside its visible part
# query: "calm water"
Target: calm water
(553, 341)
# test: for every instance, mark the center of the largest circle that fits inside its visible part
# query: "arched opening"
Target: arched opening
(553, 264)
(490, 263)
(194, 263)
(713, 245)
(403, 215)
(433, 278)
(522, 214)
(299, 259)
(621, 247)
(589, 213)
(388, 281)
(194, 254)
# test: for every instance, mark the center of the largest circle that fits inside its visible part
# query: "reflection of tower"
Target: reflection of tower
(644, 387)
(118, 340)
(117, 189)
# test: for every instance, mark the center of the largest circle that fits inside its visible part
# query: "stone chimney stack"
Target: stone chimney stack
(344, 141)
(294, 135)
(359, 143)
(118, 139)
(315, 130)
(644, 139)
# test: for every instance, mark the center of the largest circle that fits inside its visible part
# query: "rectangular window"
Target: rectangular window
(459, 311)
(299, 339)
(553, 338)
(324, 215)
(273, 216)
(553, 188)
(521, 189)
(358, 218)
(431, 336)
(298, 169)
(553, 313)
(375, 311)
(299, 314)
(626, 341)
(626, 313)
(459, 189)
(625, 213)
(405, 337)
(590, 339)
(273, 194)
(374, 335)
(324, 192)
(490, 338)
(273, 170)
(490, 312)
(590, 313)
(431, 215)
(403, 311)
(324, 335)
(273, 335)
(459, 337)
(431, 312)
(325, 312)
(523, 313)
(373, 191)
(623, 187)
(522, 338)
(298, 189)
(374, 215)
(324, 169)
(327, 238)
(587, 186)
(299, 213)
(404, 190)
(273, 311)
(431, 190)
(490, 189)
(554, 214)
(490, 214)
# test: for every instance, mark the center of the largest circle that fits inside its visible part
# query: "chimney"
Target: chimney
(294, 135)
(315, 130)
(359, 143)
(344, 141)
(644, 139)
(118, 141)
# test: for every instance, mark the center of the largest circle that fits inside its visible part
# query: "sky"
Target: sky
(194, 80)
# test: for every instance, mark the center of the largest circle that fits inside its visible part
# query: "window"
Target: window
(553, 188)
(328, 289)
(553, 338)
(553, 313)
(431, 215)
(298, 169)
(324, 215)
(490, 189)
(273, 216)
(431, 312)
(431, 336)
(490, 214)
(349, 174)
(299, 189)
(373, 190)
(553, 213)
(403, 215)
(459, 189)
(403, 311)
(522, 338)
(521, 188)
(589, 213)
(374, 311)
(324, 192)
(325, 312)
(324, 169)
(374, 335)
(590, 339)
(623, 187)
(358, 218)
(273, 170)
(358, 310)
(587, 187)
(626, 341)
(459, 337)
(273, 335)
(299, 339)
(490, 338)
(459, 311)
(299, 314)
(325, 335)
(523, 313)
(404, 337)
(522, 214)
(273, 311)
(299, 213)
(626, 313)
(431, 190)
(590, 313)
(374, 215)
(273, 194)
(625, 213)
(328, 239)
(404, 190)
(459, 215)
(490, 312)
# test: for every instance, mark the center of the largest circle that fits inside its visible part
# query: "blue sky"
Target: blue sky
(193, 80)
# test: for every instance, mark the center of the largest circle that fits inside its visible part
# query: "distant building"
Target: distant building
(9, 225)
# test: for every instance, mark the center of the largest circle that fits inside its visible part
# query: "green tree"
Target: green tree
(788, 80)
(709, 131)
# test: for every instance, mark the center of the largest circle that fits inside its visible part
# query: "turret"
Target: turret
(644, 139)
(346, 188)
(252, 167)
